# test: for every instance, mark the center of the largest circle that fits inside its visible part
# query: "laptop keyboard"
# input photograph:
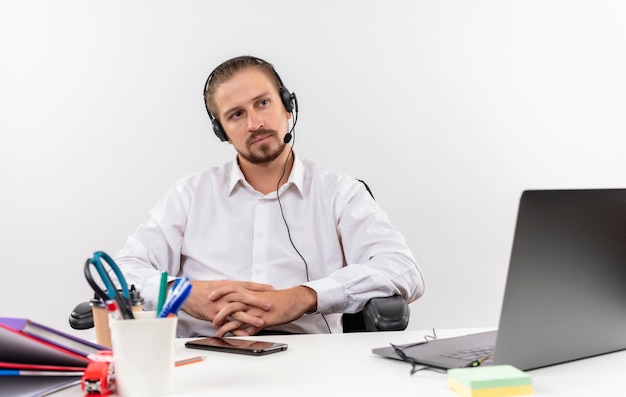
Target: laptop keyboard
(472, 354)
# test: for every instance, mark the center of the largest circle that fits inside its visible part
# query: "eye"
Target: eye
(236, 115)
(264, 102)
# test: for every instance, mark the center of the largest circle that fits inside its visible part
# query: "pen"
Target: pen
(174, 304)
(479, 361)
(190, 360)
(180, 293)
(162, 292)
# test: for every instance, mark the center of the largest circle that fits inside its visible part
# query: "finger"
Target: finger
(246, 331)
(241, 332)
(226, 313)
(239, 286)
(228, 327)
(248, 319)
(220, 292)
(241, 297)
(252, 286)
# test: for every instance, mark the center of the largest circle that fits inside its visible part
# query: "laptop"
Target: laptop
(565, 293)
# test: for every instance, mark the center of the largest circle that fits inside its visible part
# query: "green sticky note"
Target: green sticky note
(490, 376)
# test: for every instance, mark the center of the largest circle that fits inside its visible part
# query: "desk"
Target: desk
(343, 365)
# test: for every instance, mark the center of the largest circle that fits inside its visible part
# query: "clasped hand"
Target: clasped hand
(244, 308)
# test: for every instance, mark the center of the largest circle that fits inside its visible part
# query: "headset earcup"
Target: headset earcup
(286, 98)
(219, 130)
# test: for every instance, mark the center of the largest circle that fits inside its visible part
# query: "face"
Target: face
(253, 116)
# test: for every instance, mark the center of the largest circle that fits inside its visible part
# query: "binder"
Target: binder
(36, 386)
(37, 361)
(38, 367)
(53, 336)
(20, 347)
(30, 373)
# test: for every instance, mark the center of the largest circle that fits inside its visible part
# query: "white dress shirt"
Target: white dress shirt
(213, 225)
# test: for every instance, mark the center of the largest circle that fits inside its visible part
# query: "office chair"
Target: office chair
(389, 313)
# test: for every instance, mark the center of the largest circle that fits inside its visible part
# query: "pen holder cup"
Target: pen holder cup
(101, 321)
(143, 354)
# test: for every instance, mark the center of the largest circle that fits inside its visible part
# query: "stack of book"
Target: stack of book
(38, 360)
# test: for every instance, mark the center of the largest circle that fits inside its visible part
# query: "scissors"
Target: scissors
(120, 296)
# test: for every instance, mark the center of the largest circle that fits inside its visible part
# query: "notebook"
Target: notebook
(565, 293)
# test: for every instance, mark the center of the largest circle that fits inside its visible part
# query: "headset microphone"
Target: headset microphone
(294, 111)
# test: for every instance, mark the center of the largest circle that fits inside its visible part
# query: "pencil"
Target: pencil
(190, 360)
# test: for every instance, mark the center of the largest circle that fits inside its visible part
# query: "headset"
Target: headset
(287, 98)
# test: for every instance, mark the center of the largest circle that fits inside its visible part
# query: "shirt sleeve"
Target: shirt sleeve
(378, 260)
(155, 247)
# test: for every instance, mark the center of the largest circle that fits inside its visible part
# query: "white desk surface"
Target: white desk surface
(343, 364)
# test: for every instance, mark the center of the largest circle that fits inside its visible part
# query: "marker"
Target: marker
(180, 292)
(114, 310)
(162, 292)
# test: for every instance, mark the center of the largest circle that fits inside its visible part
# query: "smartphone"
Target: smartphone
(234, 345)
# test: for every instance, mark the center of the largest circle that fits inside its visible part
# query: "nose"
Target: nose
(255, 121)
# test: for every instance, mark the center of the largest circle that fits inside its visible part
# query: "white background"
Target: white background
(449, 109)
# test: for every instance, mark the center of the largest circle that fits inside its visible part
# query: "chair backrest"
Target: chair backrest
(379, 314)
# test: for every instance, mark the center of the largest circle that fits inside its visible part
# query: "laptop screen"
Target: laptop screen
(565, 294)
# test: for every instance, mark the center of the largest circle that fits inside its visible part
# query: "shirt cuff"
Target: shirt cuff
(330, 295)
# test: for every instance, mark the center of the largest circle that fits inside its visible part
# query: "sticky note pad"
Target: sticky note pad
(490, 381)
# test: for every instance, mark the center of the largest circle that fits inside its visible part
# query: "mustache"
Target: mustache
(256, 134)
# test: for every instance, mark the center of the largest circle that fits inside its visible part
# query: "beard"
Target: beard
(264, 153)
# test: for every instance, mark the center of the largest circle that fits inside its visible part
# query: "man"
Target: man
(269, 240)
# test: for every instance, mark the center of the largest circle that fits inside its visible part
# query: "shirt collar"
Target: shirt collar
(296, 178)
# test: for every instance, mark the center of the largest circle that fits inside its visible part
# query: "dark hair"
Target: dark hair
(228, 69)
